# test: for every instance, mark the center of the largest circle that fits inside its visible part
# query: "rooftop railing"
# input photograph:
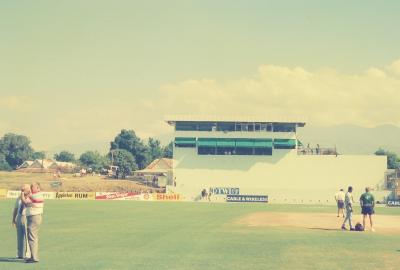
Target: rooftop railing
(317, 151)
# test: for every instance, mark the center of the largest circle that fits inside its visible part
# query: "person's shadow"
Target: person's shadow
(10, 259)
(324, 229)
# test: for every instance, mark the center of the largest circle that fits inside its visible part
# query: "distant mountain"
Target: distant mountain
(352, 139)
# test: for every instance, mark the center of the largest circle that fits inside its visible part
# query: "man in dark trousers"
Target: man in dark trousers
(19, 222)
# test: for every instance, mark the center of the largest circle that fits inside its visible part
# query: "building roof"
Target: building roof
(26, 164)
(65, 164)
(151, 171)
(172, 119)
(160, 163)
(46, 163)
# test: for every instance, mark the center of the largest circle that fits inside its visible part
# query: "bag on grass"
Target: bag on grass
(359, 227)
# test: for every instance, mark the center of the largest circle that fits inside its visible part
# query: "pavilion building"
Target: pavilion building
(253, 156)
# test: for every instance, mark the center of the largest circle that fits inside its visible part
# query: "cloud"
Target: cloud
(16, 103)
(103, 121)
(324, 97)
(395, 67)
(375, 72)
(11, 109)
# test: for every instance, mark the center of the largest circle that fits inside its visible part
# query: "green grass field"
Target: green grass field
(175, 235)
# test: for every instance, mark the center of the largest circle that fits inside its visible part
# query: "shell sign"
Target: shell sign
(167, 197)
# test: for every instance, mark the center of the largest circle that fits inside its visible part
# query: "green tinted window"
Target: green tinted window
(284, 127)
(245, 143)
(186, 126)
(208, 142)
(226, 142)
(226, 126)
(185, 142)
(284, 143)
(263, 143)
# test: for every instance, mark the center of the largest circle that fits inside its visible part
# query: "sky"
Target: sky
(76, 72)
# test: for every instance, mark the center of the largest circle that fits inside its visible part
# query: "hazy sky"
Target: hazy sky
(79, 71)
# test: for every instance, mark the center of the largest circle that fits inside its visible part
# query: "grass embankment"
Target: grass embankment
(13, 180)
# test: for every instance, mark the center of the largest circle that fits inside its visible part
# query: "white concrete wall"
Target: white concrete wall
(285, 176)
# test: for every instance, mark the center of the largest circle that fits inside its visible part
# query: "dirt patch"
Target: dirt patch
(317, 221)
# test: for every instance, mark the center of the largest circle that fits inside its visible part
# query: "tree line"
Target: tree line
(15, 150)
(127, 151)
(393, 161)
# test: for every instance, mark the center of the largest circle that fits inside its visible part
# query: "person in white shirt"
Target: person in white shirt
(19, 222)
(339, 197)
(348, 201)
(34, 203)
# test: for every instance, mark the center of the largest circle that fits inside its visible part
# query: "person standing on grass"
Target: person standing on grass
(339, 197)
(34, 203)
(348, 201)
(367, 203)
(19, 222)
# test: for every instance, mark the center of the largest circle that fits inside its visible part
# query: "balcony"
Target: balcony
(317, 151)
